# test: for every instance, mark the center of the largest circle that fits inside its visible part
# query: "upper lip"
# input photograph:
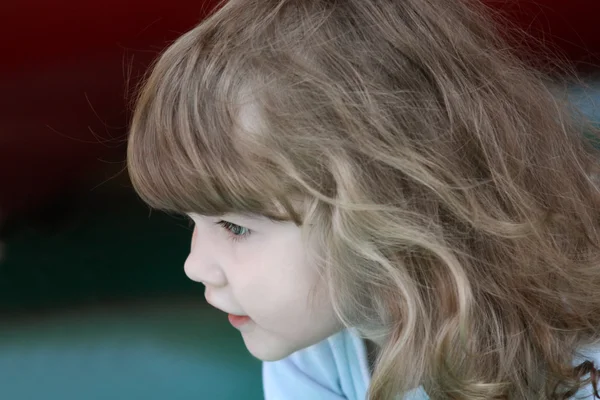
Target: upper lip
(227, 312)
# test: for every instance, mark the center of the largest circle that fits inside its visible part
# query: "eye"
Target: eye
(236, 232)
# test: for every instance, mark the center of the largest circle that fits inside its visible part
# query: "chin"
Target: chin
(266, 352)
(270, 349)
(267, 346)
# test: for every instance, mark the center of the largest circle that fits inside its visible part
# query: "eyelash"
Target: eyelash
(229, 227)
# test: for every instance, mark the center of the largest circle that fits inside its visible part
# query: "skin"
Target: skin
(255, 267)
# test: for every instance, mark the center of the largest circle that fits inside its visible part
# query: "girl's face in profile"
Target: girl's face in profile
(257, 271)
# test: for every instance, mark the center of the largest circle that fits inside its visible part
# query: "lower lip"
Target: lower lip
(238, 320)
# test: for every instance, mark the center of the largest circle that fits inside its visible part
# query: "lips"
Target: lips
(238, 320)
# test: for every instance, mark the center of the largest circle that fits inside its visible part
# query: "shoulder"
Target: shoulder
(335, 369)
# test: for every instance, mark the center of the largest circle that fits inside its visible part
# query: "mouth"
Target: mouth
(238, 320)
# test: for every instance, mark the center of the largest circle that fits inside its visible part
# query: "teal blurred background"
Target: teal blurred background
(95, 305)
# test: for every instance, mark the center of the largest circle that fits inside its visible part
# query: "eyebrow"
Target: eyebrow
(274, 214)
(252, 217)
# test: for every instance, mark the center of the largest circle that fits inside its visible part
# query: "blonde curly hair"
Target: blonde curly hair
(449, 188)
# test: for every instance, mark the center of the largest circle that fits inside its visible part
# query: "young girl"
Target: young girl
(387, 202)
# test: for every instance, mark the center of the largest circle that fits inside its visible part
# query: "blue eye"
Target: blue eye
(236, 232)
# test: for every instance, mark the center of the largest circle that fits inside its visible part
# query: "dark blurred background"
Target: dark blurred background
(94, 303)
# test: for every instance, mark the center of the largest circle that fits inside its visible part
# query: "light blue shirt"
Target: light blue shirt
(334, 369)
(337, 369)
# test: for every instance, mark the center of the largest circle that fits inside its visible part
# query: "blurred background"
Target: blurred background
(94, 303)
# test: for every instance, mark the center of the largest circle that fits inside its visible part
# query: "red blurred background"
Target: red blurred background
(69, 67)
(67, 70)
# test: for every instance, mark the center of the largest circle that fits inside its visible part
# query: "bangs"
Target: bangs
(187, 154)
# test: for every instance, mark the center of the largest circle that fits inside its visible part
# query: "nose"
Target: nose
(202, 264)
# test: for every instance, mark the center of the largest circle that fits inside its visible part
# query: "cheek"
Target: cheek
(280, 291)
(273, 278)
